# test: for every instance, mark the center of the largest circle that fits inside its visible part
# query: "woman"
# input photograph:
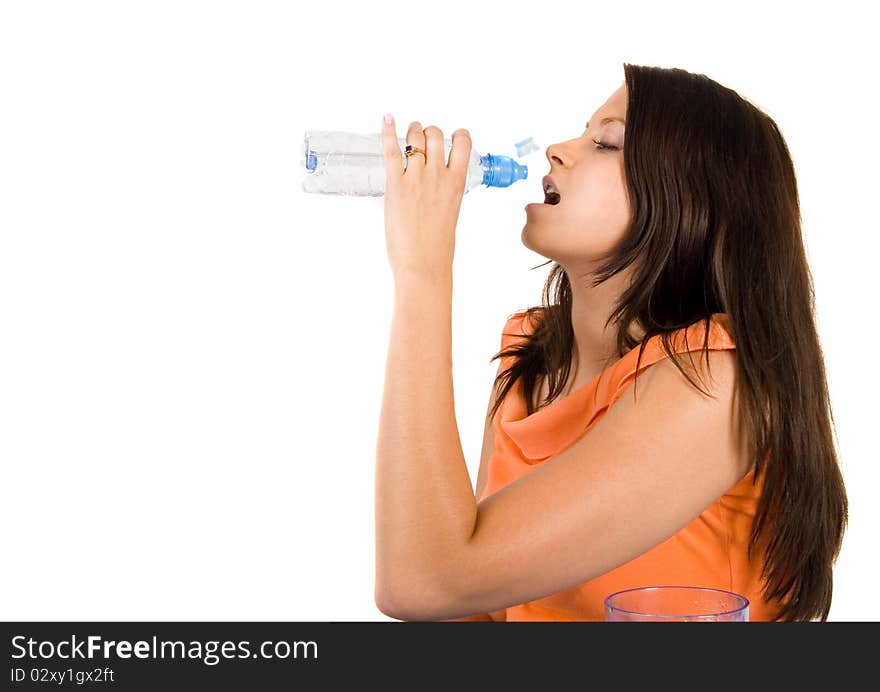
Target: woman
(684, 241)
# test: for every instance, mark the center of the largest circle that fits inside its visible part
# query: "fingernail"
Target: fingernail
(388, 119)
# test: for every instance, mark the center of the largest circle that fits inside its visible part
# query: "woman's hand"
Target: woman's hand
(423, 199)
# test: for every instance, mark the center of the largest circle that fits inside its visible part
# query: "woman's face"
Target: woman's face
(593, 213)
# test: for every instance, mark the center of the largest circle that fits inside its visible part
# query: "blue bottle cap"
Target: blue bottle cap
(501, 171)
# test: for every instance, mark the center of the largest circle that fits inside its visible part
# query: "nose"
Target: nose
(553, 155)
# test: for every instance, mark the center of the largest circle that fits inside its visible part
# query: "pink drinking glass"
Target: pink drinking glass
(676, 604)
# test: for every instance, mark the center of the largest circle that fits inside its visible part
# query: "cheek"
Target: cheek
(597, 217)
(603, 199)
(599, 207)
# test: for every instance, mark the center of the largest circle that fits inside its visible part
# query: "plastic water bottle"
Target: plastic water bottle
(345, 163)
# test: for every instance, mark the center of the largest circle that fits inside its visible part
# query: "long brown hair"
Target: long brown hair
(716, 227)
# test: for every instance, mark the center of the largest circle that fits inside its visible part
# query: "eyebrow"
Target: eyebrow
(608, 120)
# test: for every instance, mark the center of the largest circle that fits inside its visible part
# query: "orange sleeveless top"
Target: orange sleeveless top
(710, 551)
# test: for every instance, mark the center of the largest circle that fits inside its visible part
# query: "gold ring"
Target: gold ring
(410, 150)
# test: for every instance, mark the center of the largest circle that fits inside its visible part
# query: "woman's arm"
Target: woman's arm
(425, 504)
(645, 470)
(482, 477)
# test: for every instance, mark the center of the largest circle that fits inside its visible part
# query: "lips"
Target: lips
(551, 192)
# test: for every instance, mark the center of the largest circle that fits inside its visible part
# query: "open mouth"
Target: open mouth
(551, 194)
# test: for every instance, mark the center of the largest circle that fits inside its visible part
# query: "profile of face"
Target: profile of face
(593, 213)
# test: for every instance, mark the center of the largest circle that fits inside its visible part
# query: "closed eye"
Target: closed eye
(602, 145)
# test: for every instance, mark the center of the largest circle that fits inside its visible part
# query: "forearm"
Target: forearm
(425, 505)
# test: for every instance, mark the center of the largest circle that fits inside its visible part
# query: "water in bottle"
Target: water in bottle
(346, 163)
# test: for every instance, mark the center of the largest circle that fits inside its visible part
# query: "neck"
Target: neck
(594, 343)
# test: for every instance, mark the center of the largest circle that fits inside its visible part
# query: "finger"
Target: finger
(416, 136)
(460, 154)
(435, 147)
(391, 148)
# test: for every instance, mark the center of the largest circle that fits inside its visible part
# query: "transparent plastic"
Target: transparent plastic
(526, 147)
(676, 604)
(346, 163)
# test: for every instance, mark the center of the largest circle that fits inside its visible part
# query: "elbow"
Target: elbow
(389, 601)
(421, 587)
(412, 600)
(398, 604)
(401, 610)
(389, 593)
(386, 606)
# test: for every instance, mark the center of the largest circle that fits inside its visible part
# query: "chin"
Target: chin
(538, 239)
(539, 248)
(528, 239)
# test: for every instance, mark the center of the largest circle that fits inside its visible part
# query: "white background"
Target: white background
(192, 349)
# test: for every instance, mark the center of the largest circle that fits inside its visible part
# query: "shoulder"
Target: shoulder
(704, 348)
(692, 403)
(704, 353)
(520, 324)
(715, 370)
(526, 320)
